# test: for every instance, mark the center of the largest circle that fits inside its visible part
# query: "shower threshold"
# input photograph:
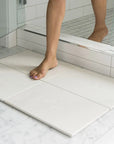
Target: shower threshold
(88, 54)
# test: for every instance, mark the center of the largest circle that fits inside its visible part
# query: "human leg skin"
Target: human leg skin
(54, 18)
(100, 30)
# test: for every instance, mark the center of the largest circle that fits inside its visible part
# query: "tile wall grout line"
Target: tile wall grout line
(111, 67)
(104, 53)
(71, 54)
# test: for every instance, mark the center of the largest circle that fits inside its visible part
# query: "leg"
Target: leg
(100, 30)
(54, 18)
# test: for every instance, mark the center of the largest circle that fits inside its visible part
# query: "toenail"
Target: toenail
(36, 77)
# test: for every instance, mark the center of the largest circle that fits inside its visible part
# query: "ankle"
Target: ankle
(50, 56)
(99, 26)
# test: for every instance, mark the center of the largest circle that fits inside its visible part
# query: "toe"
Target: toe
(32, 73)
(39, 76)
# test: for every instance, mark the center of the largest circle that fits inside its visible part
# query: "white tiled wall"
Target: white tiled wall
(35, 11)
(7, 16)
(8, 23)
(91, 59)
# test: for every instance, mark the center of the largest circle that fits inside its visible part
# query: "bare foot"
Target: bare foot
(99, 34)
(40, 71)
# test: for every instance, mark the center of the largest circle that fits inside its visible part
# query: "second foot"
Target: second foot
(40, 71)
(99, 34)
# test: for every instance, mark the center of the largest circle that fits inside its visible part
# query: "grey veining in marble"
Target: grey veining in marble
(17, 128)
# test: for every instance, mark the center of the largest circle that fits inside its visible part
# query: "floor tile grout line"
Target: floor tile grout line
(30, 87)
(37, 119)
(59, 88)
(21, 91)
(13, 68)
(76, 94)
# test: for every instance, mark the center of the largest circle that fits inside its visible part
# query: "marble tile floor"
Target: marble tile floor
(16, 127)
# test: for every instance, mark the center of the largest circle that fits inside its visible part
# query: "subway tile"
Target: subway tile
(31, 46)
(30, 13)
(64, 56)
(112, 63)
(112, 72)
(74, 50)
(37, 22)
(31, 37)
(74, 9)
(77, 3)
(40, 10)
(73, 14)
(35, 2)
(84, 63)
(85, 53)
(87, 10)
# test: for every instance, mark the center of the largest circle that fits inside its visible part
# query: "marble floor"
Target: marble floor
(18, 128)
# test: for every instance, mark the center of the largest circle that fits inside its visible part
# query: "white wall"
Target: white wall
(8, 23)
(8, 20)
(3, 18)
(35, 11)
